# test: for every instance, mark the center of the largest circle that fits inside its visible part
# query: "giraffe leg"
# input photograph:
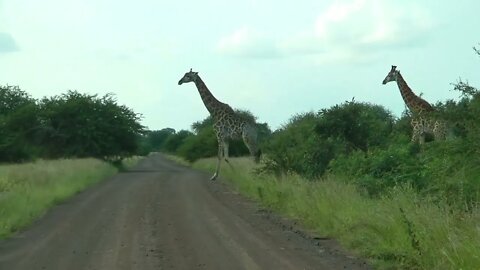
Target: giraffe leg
(439, 130)
(225, 153)
(421, 133)
(249, 136)
(418, 134)
(415, 137)
(415, 131)
(219, 159)
(421, 138)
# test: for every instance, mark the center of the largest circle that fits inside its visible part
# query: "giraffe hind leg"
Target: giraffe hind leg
(225, 153)
(249, 137)
(439, 131)
(415, 135)
(219, 159)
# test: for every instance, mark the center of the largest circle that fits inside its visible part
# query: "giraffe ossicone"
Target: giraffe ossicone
(424, 119)
(226, 123)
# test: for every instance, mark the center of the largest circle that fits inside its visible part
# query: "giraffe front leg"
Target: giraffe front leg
(219, 159)
(417, 132)
(421, 138)
(418, 136)
(414, 137)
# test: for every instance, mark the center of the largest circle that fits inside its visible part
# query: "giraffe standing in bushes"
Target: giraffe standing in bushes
(423, 120)
(226, 123)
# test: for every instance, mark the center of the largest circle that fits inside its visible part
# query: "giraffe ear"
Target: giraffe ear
(196, 73)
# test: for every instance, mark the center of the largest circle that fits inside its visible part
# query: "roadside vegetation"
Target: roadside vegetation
(55, 147)
(351, 172)
(27, 190)
(399, 229)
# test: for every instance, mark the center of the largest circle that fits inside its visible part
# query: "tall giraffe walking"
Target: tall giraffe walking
(422, 121)
(226, 123)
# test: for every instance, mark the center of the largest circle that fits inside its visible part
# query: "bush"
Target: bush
(380, 169)
(81, 125)
(175, 140)
(203, 144)
(308, 142)
(290, 146)
(359, 125)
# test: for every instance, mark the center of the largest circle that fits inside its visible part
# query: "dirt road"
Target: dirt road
(161, 215)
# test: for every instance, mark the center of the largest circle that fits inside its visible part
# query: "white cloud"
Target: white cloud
(236, 40)
(247, 43)
(352, 30)
(361, 27)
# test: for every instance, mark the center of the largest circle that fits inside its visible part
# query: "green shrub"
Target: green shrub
(175, 140)
(308, 142)
(292, 145)
(380, 169)
(203, 144)
(359, 125)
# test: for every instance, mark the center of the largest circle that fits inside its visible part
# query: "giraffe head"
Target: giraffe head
(392, 75)
(188, 77)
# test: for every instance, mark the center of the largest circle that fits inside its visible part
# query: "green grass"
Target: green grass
(402, 230)
(178, 160)
(28, 190)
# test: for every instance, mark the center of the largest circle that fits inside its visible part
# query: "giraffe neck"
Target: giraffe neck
(211, 103)
(407, 94)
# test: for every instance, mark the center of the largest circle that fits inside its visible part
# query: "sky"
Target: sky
(273, 59)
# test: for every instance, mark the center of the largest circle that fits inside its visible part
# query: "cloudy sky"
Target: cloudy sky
(274, 59)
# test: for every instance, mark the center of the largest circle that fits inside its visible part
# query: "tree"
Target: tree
(19, 125)
(81, 125)
(157, 138)
(174, 141)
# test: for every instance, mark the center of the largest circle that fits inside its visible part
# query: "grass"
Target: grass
(401, 230)
(178, 160)
(28, 190)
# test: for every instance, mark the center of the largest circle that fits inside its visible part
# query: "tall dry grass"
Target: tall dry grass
(28, 190)
(401, 230)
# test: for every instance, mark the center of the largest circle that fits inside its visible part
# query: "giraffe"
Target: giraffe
(422, 120)
(226, 123)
